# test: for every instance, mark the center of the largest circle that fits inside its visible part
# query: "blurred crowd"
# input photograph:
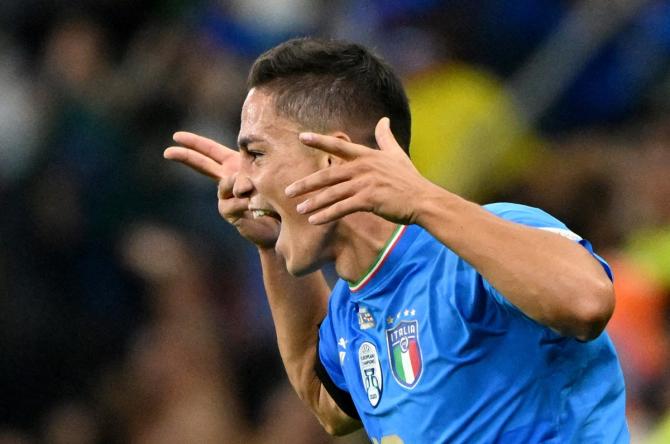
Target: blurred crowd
(130, 312)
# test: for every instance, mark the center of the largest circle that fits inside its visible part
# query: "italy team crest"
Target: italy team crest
(405, 353)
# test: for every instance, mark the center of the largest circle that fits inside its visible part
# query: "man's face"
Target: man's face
(272, 159)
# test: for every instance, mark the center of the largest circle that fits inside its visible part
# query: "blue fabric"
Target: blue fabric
(489, 374)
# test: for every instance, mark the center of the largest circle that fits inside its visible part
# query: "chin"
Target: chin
(300, 267)
(300, 261)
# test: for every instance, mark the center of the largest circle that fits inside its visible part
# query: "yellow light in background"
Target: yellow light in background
(466, 134)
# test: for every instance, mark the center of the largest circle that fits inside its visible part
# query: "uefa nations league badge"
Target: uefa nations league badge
(371, 372)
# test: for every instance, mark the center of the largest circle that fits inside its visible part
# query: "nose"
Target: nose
(242, 186)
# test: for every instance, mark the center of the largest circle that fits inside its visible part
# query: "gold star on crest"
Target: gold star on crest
(389, 320)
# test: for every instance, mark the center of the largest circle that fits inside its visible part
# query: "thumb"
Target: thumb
(385, 139)
(226, 187)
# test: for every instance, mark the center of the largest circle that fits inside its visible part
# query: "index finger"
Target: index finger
(203, 145)
(195, 160)
(333, 145)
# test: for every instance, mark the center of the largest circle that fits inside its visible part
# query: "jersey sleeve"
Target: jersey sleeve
(536, 218)
(328, 367)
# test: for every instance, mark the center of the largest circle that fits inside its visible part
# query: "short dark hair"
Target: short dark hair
(332, 84)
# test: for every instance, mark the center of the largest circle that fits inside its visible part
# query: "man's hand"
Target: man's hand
(222, 164)
(384, 181)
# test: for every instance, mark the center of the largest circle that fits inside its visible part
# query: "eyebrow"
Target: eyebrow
(245, 141)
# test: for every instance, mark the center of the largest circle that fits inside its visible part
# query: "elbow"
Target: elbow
(330, 429)
(339, 426)
(332, 419)
(336, 428)
(594, 310)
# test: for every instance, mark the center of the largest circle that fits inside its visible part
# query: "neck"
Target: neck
(359, 238)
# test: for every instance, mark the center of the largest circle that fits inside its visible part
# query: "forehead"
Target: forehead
(257, 105)
(260, 120)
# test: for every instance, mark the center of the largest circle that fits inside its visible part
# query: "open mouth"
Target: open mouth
(258, 213)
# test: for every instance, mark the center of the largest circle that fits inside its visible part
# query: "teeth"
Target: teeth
(259, 213)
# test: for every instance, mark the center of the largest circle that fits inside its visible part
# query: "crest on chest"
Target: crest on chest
(405, 353)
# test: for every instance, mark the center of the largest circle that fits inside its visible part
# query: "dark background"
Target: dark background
(130, 312)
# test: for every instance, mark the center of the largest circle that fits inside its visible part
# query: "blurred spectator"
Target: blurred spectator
(21, 119)
(71, 423)
(129, 312)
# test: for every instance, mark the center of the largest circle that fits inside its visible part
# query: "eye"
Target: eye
(254, 154)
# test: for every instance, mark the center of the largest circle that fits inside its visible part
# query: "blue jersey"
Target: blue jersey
(430, 352)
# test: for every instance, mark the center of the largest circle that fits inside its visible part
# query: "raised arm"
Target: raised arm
(298, 305)
(550, 278)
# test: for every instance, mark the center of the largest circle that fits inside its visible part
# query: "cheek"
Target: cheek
(273, 187)
(276, 177)
(270, 186)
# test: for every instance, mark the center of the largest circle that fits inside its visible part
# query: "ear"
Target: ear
(331, 159)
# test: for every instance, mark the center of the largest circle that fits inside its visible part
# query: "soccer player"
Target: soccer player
(451, 322)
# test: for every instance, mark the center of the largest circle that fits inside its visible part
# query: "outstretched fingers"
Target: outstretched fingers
(203, 145)
(318, 180)
(327, 197)
(225, 188)
(203, 155)
(338, 210)
(333, 145)
(195, 160)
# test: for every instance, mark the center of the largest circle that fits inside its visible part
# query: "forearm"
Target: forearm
(298, 306)
(550, 278)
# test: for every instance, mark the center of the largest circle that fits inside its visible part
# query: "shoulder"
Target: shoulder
(530, 216)
(519, 212)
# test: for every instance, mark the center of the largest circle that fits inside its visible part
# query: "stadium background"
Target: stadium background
(130, 312)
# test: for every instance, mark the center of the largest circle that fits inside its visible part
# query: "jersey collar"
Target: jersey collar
(381, 259)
